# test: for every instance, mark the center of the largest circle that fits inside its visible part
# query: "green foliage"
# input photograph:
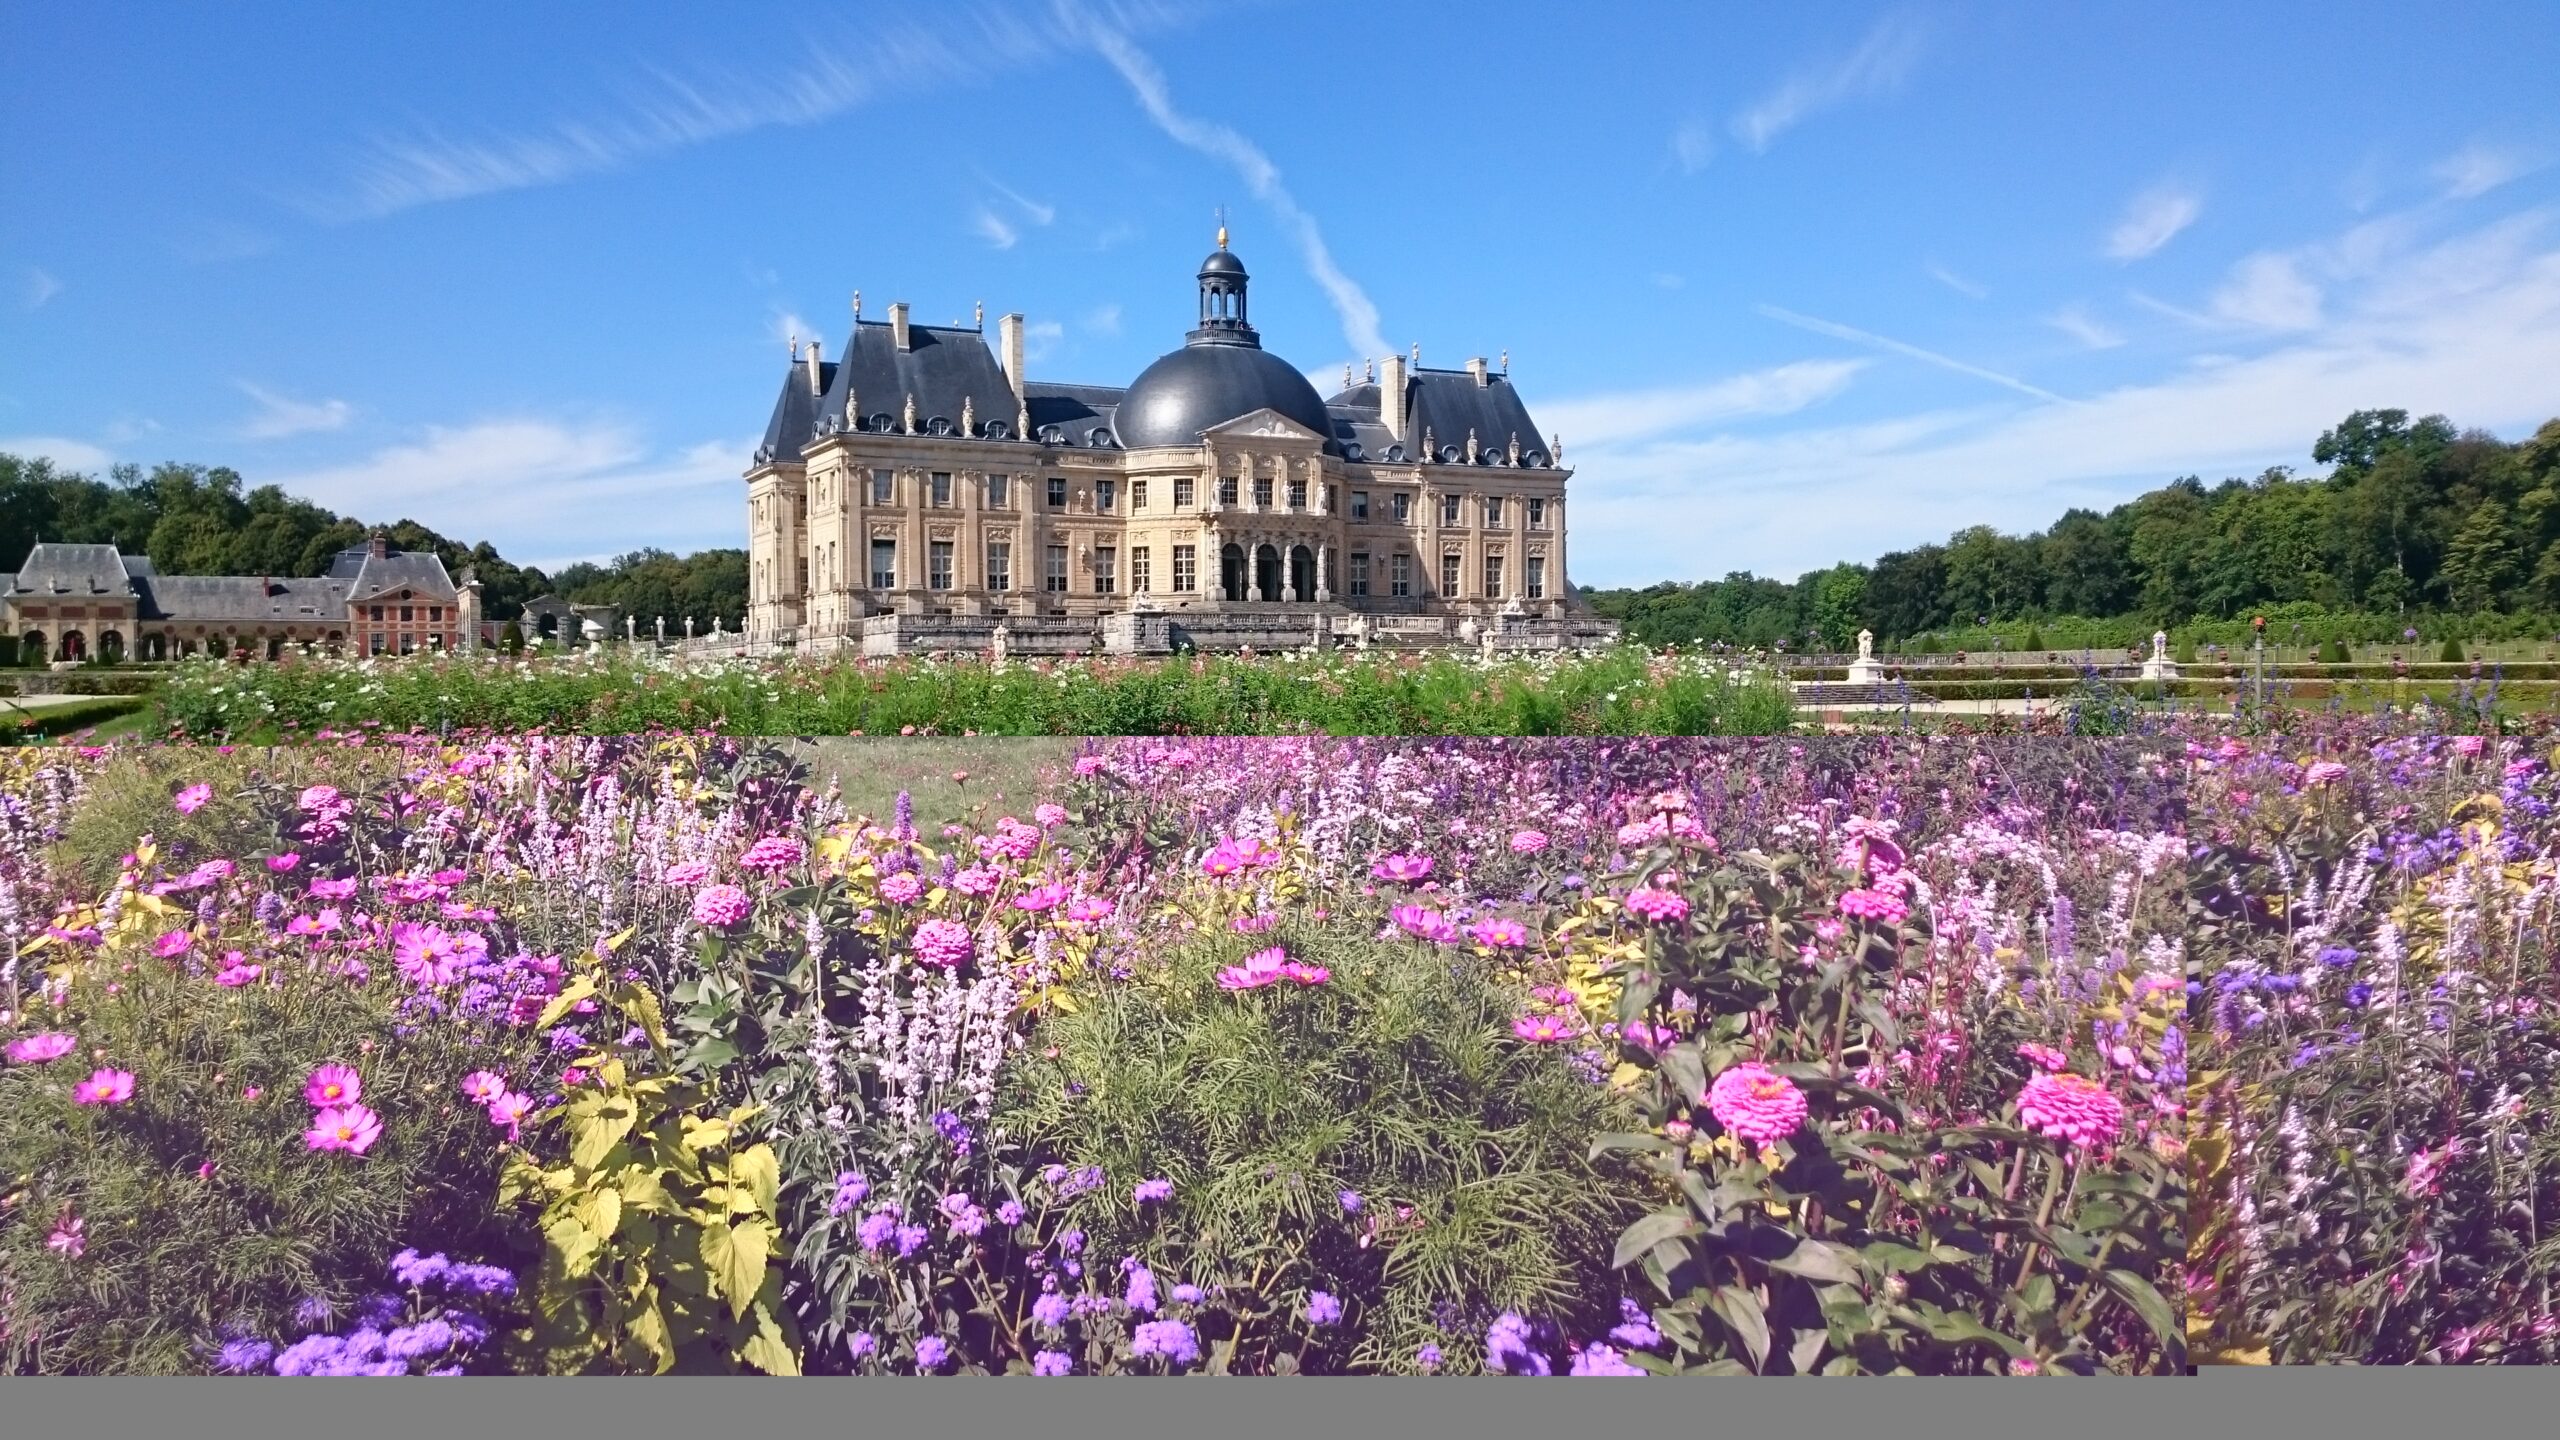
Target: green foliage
(661, 1242)
(2034, 640)
(33, 725)
(2186, 651)
(511, 639)
(2451, 653)
(1399, 1079)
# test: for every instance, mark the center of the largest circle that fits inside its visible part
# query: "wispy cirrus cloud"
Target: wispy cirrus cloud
(2268, 292)
(2478, 168)
(40, 287)
(667, 111)
(1693, 144)
(281, 416)
(2074, 321)
(1876, 67)
(1351, 304)
(1637, 414)
(1928, 357)
(1953, 281)
(2152, 220)
(993, 229)
(65, 453)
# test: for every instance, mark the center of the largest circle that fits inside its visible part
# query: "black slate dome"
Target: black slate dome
(1222, 373)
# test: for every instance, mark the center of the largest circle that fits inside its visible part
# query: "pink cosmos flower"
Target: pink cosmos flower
(104, 1087)
(509, 1110)
(1047, 897)
(282, 863)
(173, 944)
(1262, 967)
(351, 1128)
(1528, 842)
(904, 888)
(1500, 934)
(67, 1240)
(333, 1085)
(1657, 905)
(483, 1087)
(193, 798)
(1756, 1104)
(1049, 815)
(687, 873)
(1425, 924)
(1305, 974)
(1402, 869)
(944, 944)
(772, 853)
(333, 889)
(431, 955)
(722, 907)
(238, 973)
(1090, 909)
(1543, 1029)
(2071, 1108)
(42, 1048)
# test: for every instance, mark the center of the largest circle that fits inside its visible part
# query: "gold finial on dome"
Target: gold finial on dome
(1222, 227)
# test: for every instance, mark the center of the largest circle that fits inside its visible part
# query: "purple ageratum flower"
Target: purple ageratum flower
(1055, 1362)
(851, 1189)
(911, 1239)
(1010, 1213)
(876, 1230)
(1149, 1192)
(1637, 1330)
(1142, 1290)
(1507, 1350)
(1427, 1360)
(1186, 1294)
(1170, 1339)
(863, 1344)
(1071, 1243)
(967, 1220)
(1050, 1310)
(244, 1355)
(310, 1355)
(1601, 1360)
(1323, 1308)
(933, 1352)
(1351, 1202)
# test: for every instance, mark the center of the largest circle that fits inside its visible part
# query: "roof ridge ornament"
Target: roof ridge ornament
(857, 304)
(1426, 445)
(1022, 419)
(968, 415)
(982, 314)
(852, 407)
(1506, 362)
(911, 412)
(1515, 448)
(1369, 372)
(1471, 445)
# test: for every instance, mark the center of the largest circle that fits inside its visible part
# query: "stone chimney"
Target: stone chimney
(1391, 395)
(1009, 342)
(378, 545)
(898, 323)
(810, 362)
(1475, 367)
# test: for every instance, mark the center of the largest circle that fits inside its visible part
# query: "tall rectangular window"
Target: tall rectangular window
(1449, 576)
(996, 487)
(1057, 492)
(1359, 572)
(1181, 491)
(1104, 492)
(1400, 574)
(1493, 574)
(1537, 577)
(1298, 494)
(1057, 577)
(884, 564)
(1404, 507)
(408, 613)
(1493, 512)
(1186, 567)
(1359, 504)
(884, 486)
(1226, 489)
(1106, 568)
(1262, 491)
(941, 489)
(1537, 513)
(1141, 571)
(937, 561)
(1448, 509)
(377, 612)
(1137, 494)
(999, 565)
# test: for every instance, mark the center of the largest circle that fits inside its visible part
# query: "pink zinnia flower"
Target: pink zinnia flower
(1542, 1029)
(904, 888)
(173, 944)
(944, 944)
(282, 863)
(193, 798)
(318, 797)
(2469, 744)
(722, 907)
(688, 872)
(2044, 1057)
(1049, 815)
(483, 1086)
(1754, 1103)
(2323, 772)
(333, 1085)
(2071, 1108)
(351, 1128)
(1402, 869)
(1660, 906)
(42, 1048)
(104, 1087)
(1500, 934)
(1528, 842)
(773, 852)
(67, 1240)
(1880, 906)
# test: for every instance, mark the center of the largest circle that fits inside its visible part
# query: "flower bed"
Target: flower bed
(1237, 1057)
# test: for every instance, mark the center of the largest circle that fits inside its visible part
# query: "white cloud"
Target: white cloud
(280, 416)
(64, 452)
(40, 288)
(2469, 327)
(2478, 168)
(1351, 304)
(1039, 214)
(1875, 67)
(1636, 414)
(1957, 283)
(1931, 357)
(789, 328)
(992, 228)
(2268, 292)
(1105, 320)
(1693, 145)
(2074, 321)
(1667, 280)
(2152, 220)
(1040, 337)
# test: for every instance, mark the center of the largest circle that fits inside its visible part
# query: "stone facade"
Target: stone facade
(71, 603)
(921, 492)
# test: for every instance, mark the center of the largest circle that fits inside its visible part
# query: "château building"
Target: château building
(923, 492)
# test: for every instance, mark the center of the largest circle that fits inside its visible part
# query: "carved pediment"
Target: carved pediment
(1265, 424)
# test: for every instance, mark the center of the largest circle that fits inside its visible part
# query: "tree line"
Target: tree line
(200, 520)
(2414, 522)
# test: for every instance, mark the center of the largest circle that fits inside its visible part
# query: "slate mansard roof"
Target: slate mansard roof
(68, 571)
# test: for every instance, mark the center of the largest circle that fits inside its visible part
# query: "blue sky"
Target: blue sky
(1794, 284)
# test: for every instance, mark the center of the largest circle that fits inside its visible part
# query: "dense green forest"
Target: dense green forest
(195, 520)
(2416, 526)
